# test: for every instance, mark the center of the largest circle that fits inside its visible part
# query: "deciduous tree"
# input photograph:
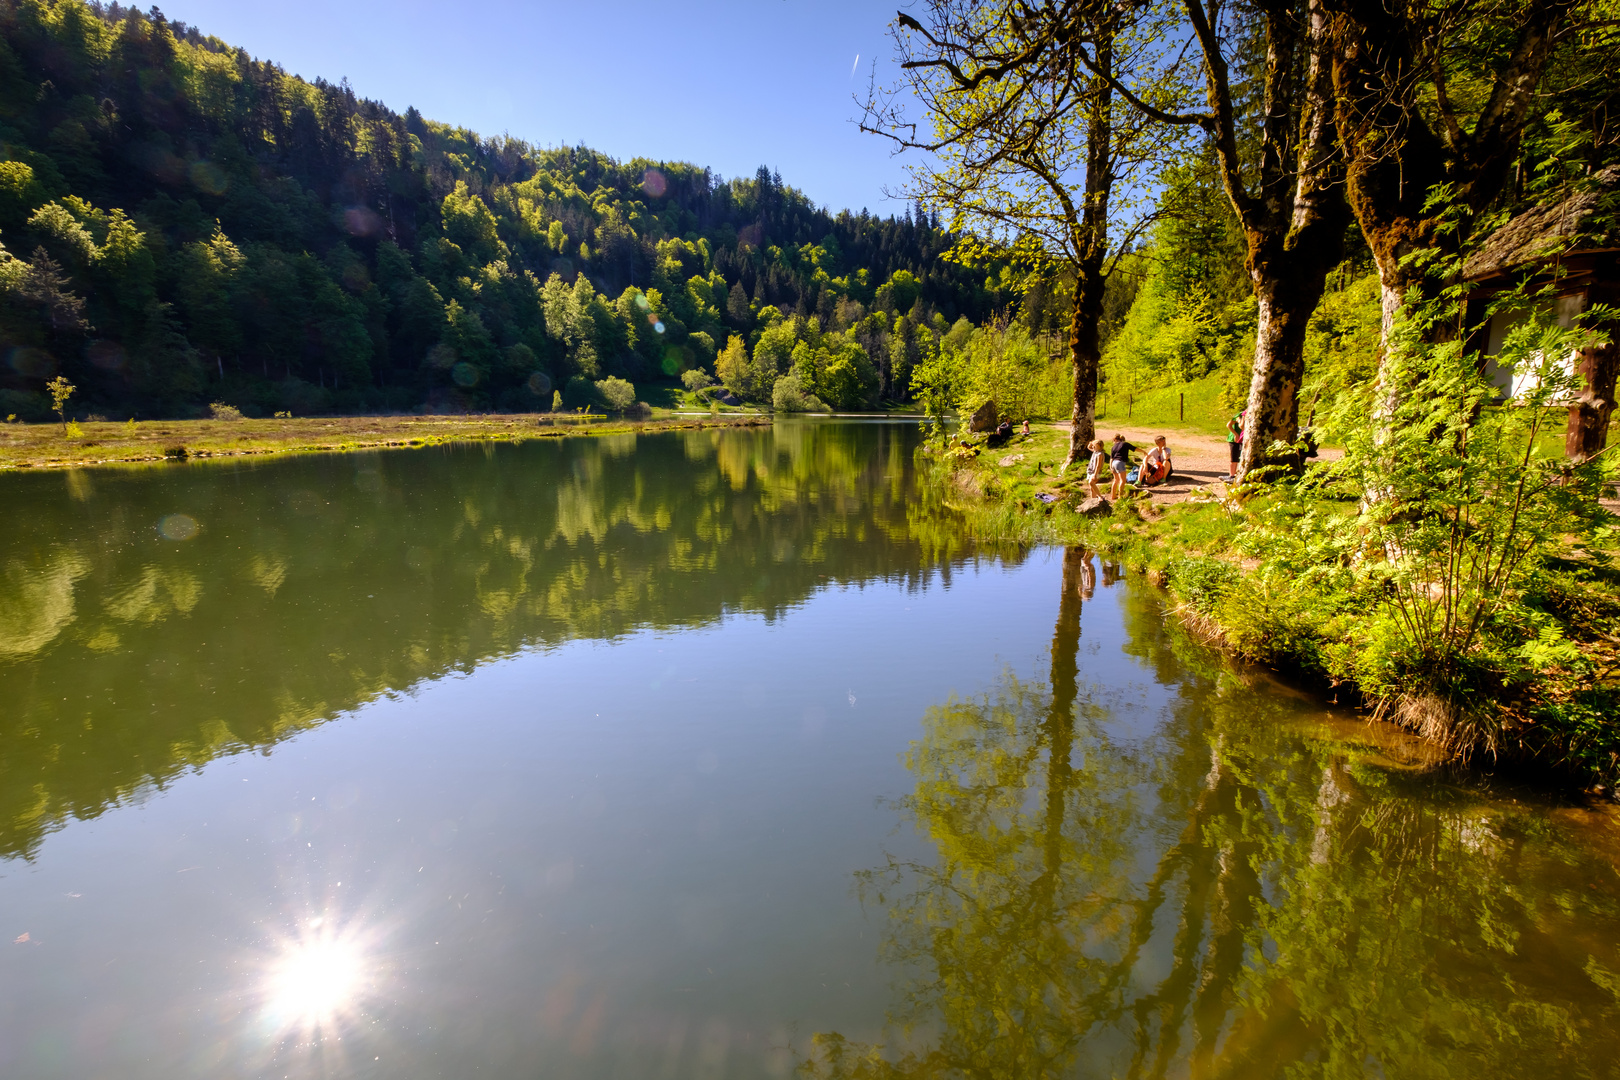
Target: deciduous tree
(1036, 148)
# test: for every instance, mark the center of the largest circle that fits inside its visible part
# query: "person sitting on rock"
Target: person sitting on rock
(1156, 466)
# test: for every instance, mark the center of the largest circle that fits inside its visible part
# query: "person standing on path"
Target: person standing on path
(1119, 460)
(1234, 442)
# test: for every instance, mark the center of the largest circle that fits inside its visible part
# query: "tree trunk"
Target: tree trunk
(1085, 354)
(1287, 293)
(1091, 246)
(1272, 414)
(1060, 719)
(1396, 157)
(1589, 417)
(1293, 221)
(1289, 259)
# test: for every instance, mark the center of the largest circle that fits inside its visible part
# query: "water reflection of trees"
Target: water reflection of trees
(1225, 897)
(315, 585)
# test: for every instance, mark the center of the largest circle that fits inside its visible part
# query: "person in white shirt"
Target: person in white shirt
(1156, 466)
(1099, 461)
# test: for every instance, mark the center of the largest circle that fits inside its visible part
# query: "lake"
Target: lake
(715, 754)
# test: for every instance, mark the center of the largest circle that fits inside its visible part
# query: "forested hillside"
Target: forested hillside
(183, 224)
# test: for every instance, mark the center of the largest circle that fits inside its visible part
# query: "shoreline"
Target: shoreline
(1213, 551)
(43, 447)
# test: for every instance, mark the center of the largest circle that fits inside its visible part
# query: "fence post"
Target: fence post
(1182, 398)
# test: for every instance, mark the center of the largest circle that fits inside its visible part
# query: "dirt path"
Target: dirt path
(1200, 460)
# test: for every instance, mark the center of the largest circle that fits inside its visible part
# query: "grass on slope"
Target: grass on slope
(1162, 407)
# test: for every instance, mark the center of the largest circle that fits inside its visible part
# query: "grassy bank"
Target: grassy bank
(1288, 576)
(45, 446)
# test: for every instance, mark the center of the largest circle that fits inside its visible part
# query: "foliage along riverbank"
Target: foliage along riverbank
(25, 446)
(1502, 650)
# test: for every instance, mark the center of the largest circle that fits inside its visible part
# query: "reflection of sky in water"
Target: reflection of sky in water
(596, 853)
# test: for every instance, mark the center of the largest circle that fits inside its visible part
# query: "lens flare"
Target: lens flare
(208, 177)
(362, 221)
(178, 527)
(106, 355)
(33, 363)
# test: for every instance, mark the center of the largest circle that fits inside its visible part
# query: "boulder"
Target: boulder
(984, 418)
(1093, 508)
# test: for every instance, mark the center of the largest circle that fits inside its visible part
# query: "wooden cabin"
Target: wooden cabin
(1574, 246)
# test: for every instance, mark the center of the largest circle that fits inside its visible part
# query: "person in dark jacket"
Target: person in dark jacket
(1119, 460)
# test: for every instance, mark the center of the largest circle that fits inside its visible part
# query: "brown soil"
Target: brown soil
(1199, 460)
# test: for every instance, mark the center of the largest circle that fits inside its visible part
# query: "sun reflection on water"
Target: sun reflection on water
(317, 980)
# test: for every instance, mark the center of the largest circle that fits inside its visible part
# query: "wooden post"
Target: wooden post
(1589, 415)
(1181, 400)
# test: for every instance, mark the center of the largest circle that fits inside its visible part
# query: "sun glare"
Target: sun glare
(315, 982)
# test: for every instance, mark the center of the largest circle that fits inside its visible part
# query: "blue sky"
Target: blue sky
(731, 85)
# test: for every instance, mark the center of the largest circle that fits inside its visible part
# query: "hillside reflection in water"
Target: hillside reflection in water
(154, 619)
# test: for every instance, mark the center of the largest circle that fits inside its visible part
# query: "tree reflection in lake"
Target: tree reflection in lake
(1221, 892)
(155, 619)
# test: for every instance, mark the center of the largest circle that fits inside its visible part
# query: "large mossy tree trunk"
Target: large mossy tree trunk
(1272, 414)
(1290, 265)
(1290, 203)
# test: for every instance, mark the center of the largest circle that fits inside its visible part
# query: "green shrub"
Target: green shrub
(580, 392)
(789, 396)
(1269, 618)
(617, 394)
(1202, 582)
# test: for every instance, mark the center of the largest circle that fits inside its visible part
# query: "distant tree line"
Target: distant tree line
(181, 223)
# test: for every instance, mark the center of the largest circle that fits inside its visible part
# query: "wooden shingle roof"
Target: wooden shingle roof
(1545, 231)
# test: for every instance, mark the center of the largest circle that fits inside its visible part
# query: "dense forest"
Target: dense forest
(182, 224)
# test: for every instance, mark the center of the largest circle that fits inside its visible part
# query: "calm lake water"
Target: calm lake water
(714, 755)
